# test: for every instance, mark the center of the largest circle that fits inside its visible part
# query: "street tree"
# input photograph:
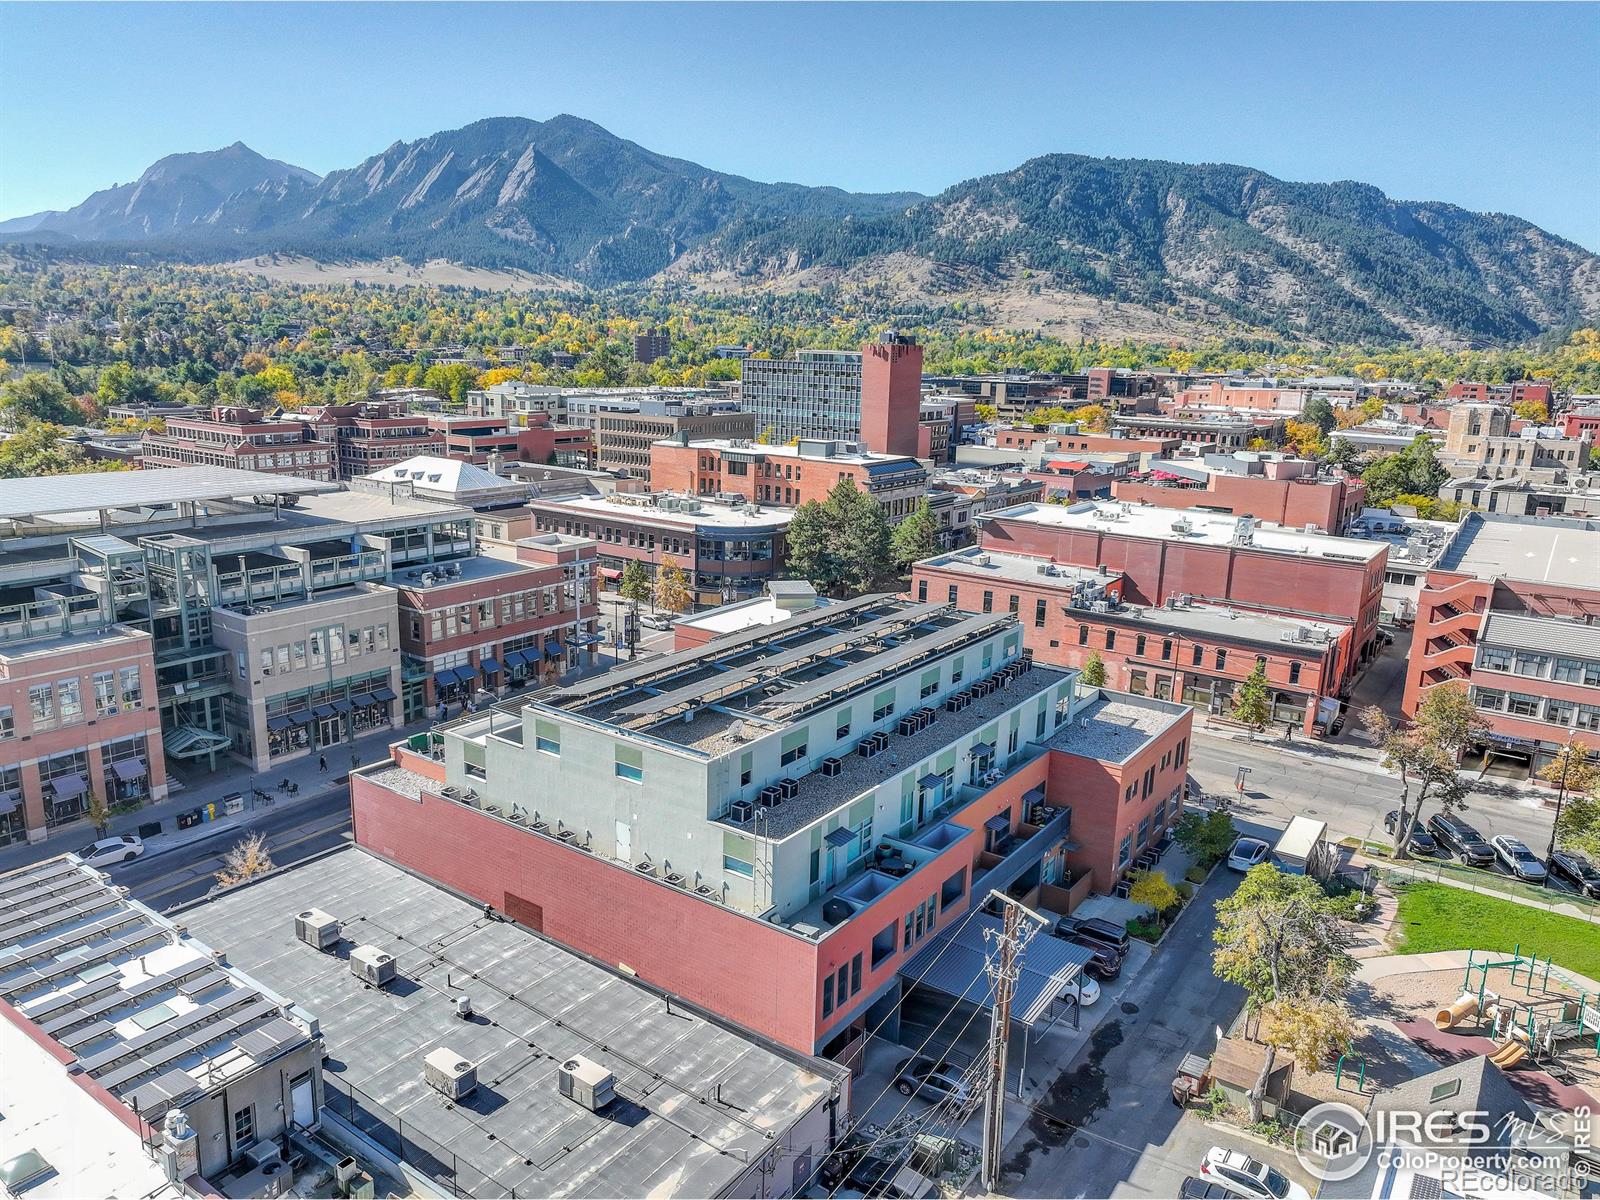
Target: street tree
(1094, 671)
(1427, 755)
(916, 537)
(1576, 777)
(1252, 704)
(247, 859)
(1152, 889)
(1318, 412)
(811, 552)
(1579, 826)
(1205, 835)
(636, 584)
(1286, 942)
(863, 537)
(98, 813)
(672, 587)
(1316, 1032)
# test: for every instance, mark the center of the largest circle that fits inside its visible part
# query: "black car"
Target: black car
(1199, 1189)
(1421, 841)
(1576, 871)
(874, 1176)
(1461, 840)
(1104, 964)
(1093, 929)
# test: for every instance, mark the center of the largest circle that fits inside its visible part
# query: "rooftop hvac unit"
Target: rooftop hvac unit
(372, 966)
(586, 1082)
(317, 929)
(832, 767)
(881, 739)
(741, 810)
(956, 703)
(907, 725)
(1100, 606)
(1046, 569)
(867, 747)
(789, 787)
(675, 879)
(449, 1074)
(771, 794)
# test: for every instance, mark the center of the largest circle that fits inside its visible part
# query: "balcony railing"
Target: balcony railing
(259, 583)
(348, 568)
(998, 870)
(49, 618)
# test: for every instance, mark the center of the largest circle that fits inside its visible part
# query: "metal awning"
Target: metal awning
(8, 803)
(489, 666)
(982, 750)
(298, 717)
(589, 639)
(129, 769)
(930, 783)
(552, 649)
(382, 695)
(466, 674)
(953, 964)
(278, 724)
(66, 787)
(841, 836)
(189, 741)
(342, 705)
(610, 573)
(516, 658)
(1000, 821)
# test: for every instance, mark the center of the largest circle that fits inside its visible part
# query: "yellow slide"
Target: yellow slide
(1509, 1055)
(1466, 1005)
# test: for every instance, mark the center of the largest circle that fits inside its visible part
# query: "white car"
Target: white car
(1247, 852)
(656, 621)
(1517, 859)
(112, 850)
(1082, 989)
(1251, 1178)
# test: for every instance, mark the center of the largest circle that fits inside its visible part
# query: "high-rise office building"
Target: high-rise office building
(872, 395)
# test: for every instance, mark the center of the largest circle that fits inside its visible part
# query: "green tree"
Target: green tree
(1414, 471)
(1206, 835)
(1094, 671)
(38, 396)
(916, 537)
(1318, 412)
(811, 552)
(451, 380)
(37, 449)
(1252, 703)
(636, 584)
(1343, 453)
(861, 538)
(1286, 943)
(672, 587)
(1427, 754)
(1577, 777)
(120, 383)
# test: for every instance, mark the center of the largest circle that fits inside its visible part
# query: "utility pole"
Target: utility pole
(1020, 924)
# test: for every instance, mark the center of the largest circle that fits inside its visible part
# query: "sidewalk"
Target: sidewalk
(209, 789)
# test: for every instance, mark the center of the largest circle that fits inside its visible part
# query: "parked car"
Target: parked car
(112, 850)
(1577, 871)
(1247, 852)
(931, 1079)
(1420, 842)
(1461, 840)
(657, 621)
(1084, 990)
(1104, 964)
(872, 1175)
(1245, 1176)
(1198, 1189)
(1516, 858)
(1094, 929)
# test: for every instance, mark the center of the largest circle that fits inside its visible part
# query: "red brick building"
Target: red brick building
(475, 439)
(1020, 438)
(891, 395)
(1533, 390)
(788, 475)
(241, 438)
(1283, 491)
(486, 624)
(373, 435)
(1206, 557)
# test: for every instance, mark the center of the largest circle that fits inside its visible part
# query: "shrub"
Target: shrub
(1196, 874)
(1145, 929)
(1185, 891)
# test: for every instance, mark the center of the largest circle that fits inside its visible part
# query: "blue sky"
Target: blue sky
(1484, 105)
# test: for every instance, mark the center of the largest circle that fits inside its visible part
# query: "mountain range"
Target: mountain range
(1170, 246)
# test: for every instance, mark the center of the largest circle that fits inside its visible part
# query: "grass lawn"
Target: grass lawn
(1434, 916)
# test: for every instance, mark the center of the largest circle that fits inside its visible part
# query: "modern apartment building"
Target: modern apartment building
(1269, 486)
(1182, 650)
(780, 822)
(788, 475)
(1206, 558)
(1509, 612)
(242, 439)
(259, 601)
(727, 551)
(872, 395)
(373, 435)
(485, 624)
(651, 345)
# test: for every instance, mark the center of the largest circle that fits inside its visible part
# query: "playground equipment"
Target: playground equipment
(1528, 1029)
(1464, 1006)
(1509, 1055)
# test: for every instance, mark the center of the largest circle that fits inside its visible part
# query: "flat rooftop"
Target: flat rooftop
(1540, 550)
(1189, 526)
(460, 571)
(745, 614)
(804, 451)
(649, 507)
(1017, 568)
(697, 1101)
(1116, 726)
(44, 494)
(143, 1009)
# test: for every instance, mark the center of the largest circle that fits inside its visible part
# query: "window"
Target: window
(794, 746)
(746, 768)
(1138, 645)
(930, 683)
(244, 1128)
(105, 693)
(827, 995)
(1083, 635)
(952, 593)
(1294, 672)
(988, 601)
(841, 729)
(883, 705)
(8, 723)
(1529, 663)
(69, 699)
(318, 652)
(1111, 639)
(1522, 706)
(1015, 601)
(922, 591)
(1567, 670)
(547, 737)
(336, 645)
(1222, 659)
(1038, 614)
(738, 855)
(629, 764)
(266, 660)
(1124, 851)
(299, 651)
(1166, 649)
(1137, 682)
(1199, 655)
(283, 660)
(132, 688)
